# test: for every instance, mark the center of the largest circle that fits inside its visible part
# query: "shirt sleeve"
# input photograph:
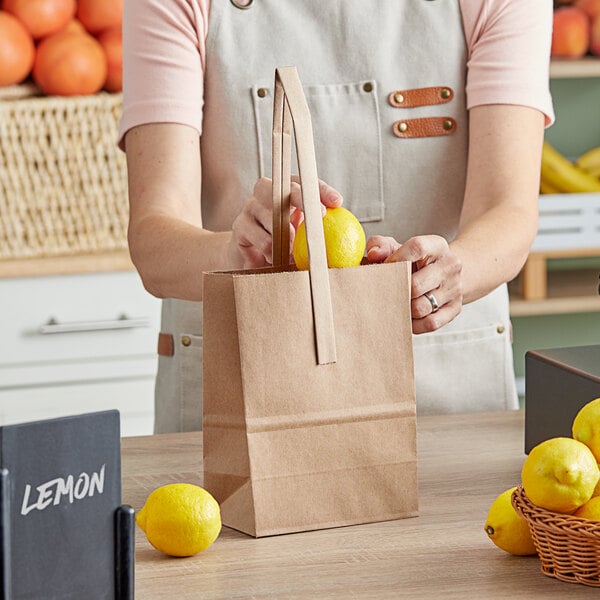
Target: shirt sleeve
(509, 53)
(163, 63)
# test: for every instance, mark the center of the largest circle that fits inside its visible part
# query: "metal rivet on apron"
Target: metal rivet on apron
(445, 93)
(368, 87)
(262, 92)
(402, 127)
(398, 98)
(500, 329)
(448, 124)
(242, 4)
(186, 340)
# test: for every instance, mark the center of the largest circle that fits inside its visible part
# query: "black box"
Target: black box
(558, 383)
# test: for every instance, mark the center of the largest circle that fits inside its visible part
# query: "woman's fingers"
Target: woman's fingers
(253, 227)
(380, 247)
(330, 197)
(436, 282)
(434, 320)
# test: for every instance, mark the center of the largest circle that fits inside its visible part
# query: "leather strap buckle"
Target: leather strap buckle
(166, 344)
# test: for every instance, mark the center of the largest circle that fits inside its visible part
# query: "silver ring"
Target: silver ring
(434, 303)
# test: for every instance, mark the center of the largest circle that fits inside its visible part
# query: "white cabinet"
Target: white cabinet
(78, 343)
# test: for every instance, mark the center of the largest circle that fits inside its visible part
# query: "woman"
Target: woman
(428, 118)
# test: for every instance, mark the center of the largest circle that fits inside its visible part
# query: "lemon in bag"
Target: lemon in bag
(345, 240)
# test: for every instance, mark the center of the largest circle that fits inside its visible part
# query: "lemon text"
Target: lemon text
(54, 491)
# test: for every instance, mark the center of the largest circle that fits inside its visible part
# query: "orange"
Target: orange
(111, 41)
(345, 240)
(70, 64)
(42, 17)
(17, 50)
(74, 26)
(98, 15)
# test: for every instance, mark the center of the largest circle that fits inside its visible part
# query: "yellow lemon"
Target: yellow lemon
(586, 426)
(180, 519)
(560, 474)
(590, 510)
(507, 529)
(345, 240)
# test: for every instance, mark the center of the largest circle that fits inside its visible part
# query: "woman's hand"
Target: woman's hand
(436, 283)
(252, 231)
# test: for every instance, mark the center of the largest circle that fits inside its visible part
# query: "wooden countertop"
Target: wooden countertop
(117, 260)
(465, 461)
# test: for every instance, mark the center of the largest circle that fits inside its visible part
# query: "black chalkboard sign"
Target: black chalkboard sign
(64, 488)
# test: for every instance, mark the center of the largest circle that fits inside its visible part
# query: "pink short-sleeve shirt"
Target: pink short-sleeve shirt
(508, 45)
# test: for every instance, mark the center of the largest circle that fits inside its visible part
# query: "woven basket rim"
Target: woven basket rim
(540, 517)
(65, 189)
(568, 546)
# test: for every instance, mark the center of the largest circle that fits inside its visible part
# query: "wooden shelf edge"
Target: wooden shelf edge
(566, 68)
(569, 291)
(117, 260)
(554, 306)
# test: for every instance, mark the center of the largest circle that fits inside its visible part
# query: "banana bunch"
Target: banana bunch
(561, 176)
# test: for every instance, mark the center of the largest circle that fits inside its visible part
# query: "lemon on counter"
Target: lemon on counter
(586, 426)
(507, 529)
(345, 240)
(560, 474)
(180, 519)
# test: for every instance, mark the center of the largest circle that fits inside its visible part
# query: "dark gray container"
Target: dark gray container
(558, 383)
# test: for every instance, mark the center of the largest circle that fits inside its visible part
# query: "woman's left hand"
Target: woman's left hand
(436, 283)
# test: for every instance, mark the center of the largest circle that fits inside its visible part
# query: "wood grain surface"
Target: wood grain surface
(465, 461)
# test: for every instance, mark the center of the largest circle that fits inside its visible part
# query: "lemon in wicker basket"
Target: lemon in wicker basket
(590, 510)
(560, 474)
(586, 426)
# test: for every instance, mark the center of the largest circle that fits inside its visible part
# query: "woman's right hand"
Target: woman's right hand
(252, 230)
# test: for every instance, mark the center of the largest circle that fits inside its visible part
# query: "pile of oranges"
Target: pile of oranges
(68, 47)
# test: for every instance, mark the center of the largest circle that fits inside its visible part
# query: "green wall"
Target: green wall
(576, 129)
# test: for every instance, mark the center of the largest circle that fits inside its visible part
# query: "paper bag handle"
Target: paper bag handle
(291, 111)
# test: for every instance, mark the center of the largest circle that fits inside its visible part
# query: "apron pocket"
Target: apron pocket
(190, 377)
(347, 134)
(464, 371)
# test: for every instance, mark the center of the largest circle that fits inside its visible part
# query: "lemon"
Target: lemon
(590, 510)
(345, 240)
(560, 474)
(507, 529)
(586, 426)
(597, 488)
(180, 519)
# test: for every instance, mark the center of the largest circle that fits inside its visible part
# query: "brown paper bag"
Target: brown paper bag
(309, 408)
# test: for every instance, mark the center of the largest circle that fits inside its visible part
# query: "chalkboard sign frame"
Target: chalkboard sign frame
(123, 532)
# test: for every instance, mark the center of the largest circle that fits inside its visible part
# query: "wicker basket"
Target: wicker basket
(63, 185)
(569, 547)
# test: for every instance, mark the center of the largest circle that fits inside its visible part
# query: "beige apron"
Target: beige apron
(385, 84)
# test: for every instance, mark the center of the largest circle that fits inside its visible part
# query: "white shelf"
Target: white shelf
(566, 68)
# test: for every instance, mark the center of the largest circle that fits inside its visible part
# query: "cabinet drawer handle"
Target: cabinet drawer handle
(122, 322)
